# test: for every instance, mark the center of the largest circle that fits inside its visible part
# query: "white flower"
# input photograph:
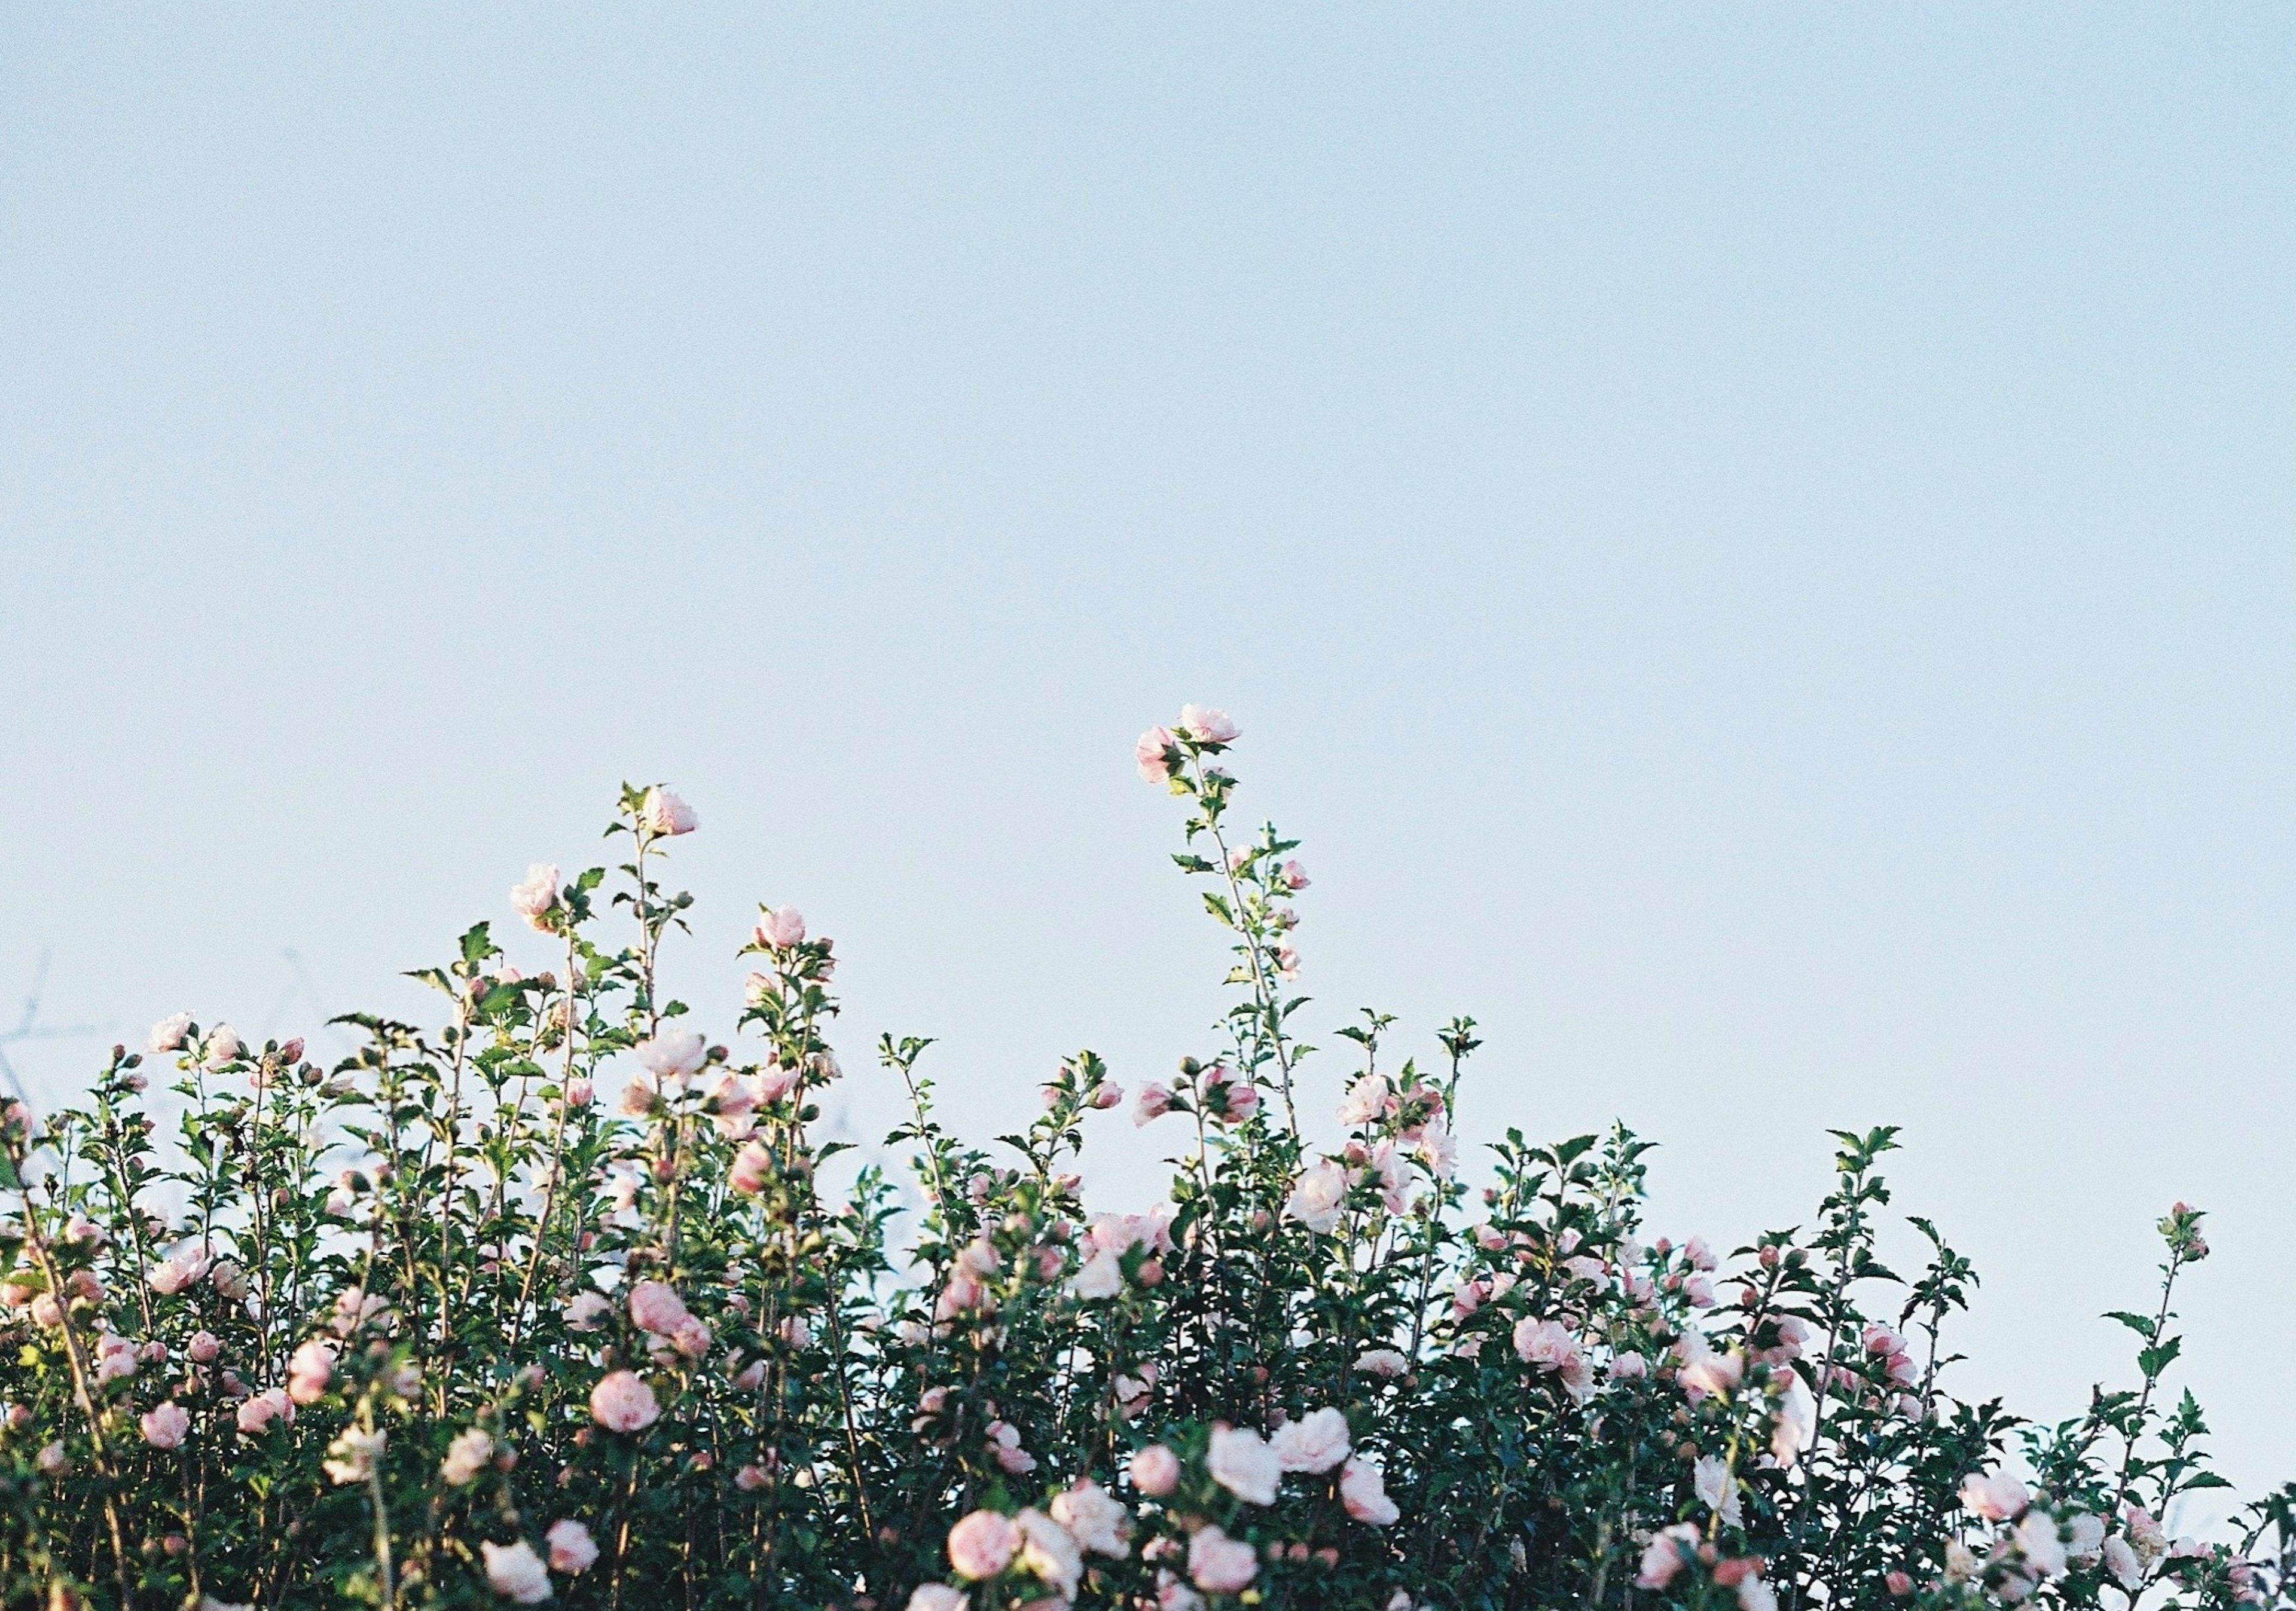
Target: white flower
(937, 1596)
(1382, 1362)
(1797, 1420)
(2037, 1536)
(1320, 1197)
(1241, 1462)
(515, 1572)
(1363, 1490)
(167, 1034)
(2121, 1561)
(1316, 1442)
(1716, 1489)
(1048, 1550)
(224, 1045)
(672, 1054)
(2088, 1540)
(535, 897)
(1102, 1277)
(466, 1457)
(664, 815)
(1367, 1100)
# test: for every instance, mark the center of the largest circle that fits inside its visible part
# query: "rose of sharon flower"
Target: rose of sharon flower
(937, 1596)
(1148, 754)
(516, 1573)
(1153, 1102)
(351, 1458)
(258, 1413)
(167, 1034)
(1207, 725)
(621, 1401)
(1154, 1470)
(1093, 1517)
(1241, 1462)
(571, 1548)
(1101, 1277)
(1316, 1442)
(309, 1370)
(656, 1307)
(1048, 1550)
(466, 1457)
(1717, 1488)
(533, 899)
(164, 1426)
(1995, 1496)
(1663, 1557)
(177, 1272)
(672, 1054)
(780, 928)
(1381, 1362)
(664, 815)
(2121, 1561)
(1363, 1490)
(983, 1544)
(1319, 1199)
(1221, 1564)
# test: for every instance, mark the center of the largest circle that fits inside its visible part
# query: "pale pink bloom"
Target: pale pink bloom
(664, 815)
(1102, 1277)
(1093, 1517)
(309, 1370)
(1381, 1362)
(1221, 1564)
(1368, 1100)
(516, 1573)
(1287, 959)
(1152, 1103)
(571, 1548)
(164, 1426)
(2121, 1561)
(167, 1034)
(224, 1045)
(588, 1311)
(1048, 1551)
(1628, 1367)
(1387, 1160)
(52, 1459)
(258, 1413)
(1237, 1100)
(773, 1082)
(983, 1544)
(1109, 1095)
(1316, 1443)
(1880, 1340)
(656, 1307)
(1663, 1557)
(1717, 1488)
(1794, 1335)
(2087, 1540)
(2037, 1538)
(1994, 1496)
(753, 1168)
(750, 1478)
(937, 1596)
(115, 1358)
(1241, 1462)
(1438, 1149)
(1905, 1371)
(204, 1347)
(580, 1092)
(1796, 1424)
(1699, 1253)
(1363, 1490)
(534, 898)
(672, 1054)
(1319, 1199)
(466, 1456)
(621, 1401)
(1174, 1595)
(691, 1339)
(1122, 1232)
(1207, 725)
(180, 1270)
(1697, 1292)
(1548, 1344)
(750, 1375)
(1154, 1470)
(352, 1457)
(780, 928)
(1148, 754)
(1295, 877)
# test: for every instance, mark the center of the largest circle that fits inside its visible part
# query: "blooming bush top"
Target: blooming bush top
(436, 1325)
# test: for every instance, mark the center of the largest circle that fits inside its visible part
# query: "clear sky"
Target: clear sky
(1754, 545)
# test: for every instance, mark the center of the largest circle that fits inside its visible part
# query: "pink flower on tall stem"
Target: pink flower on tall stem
(621, 1401)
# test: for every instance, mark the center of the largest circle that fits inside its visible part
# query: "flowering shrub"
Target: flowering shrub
(551, 1301)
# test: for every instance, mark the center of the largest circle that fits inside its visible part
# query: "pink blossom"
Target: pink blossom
(1697, 1292)
(164, 1426)
(224, 1046)
(1148, 754)
(780, 928)
(1207, 725)
(656, 1307)
(309, 1370)
(1241, 1462)
(204, 1348)
(1665, 1554)
(1880, 1340)
(178, 1271)
(751, 1477)
(1994, 1496)
(1228, 1098)
(588, 1311)
(1220, 1564)
(260, 1411)
(1093, 1517)
(534, 898)
(663, 816)
(167, 1034)
(937, 1596)
(1628, 1367)
(571, 1548)
(1295, 877)
(1319, 1199)
(1316, 1443)
(516, 1573)
(1368, 1100)
(1153, 1103)
(1363, 1490)
(753, 1168)
(1699, 1253)
(1109, 1095)
(621, 1401)
(671, 1054)
(1381, 1362)
(983, 1544)
(1154, 1470)
(580, 1092)
(2121, 1561)
(1101, 1277)
(1049, 1551)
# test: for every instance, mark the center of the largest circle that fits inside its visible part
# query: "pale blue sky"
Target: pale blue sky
(1754, 545)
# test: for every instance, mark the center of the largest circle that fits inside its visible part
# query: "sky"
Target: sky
(1752, 545)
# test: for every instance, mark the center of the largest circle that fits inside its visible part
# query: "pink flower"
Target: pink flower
(167, 1034)
(1148, 754)
(1152, 1103)
(1994, 1496)
(1320, 1198)
(1295, 877)
(2121, 1561)
(671, 1054)
(1363, 1490)
(663, 816)
(1699, 1253)
(1049, 1551)
(656, 1307)
(309, 1370)
(1220, 1564)
(621, 1401)
(1228, 1098)
(1101, 1277)
(580, 1092)
(516, 1573)
(983, 1544)
(780, 928)
(1697, 1292)
(1368, 1100)
(171, 1275)
(1316, 1443)
(1381, 1362)
(1665, 1554)
(1629, 1366)
(1154, 1470)
(204, 1348)
(1093, 1517)
(1109, 1095)
(534, 898)
(224, 1045)
(750, 1478)
(937, 1596)
(571, 1548)
(1207, 725)
(1241, 1462)
(258, 1413)
(164, 1426)
(753, 1167)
